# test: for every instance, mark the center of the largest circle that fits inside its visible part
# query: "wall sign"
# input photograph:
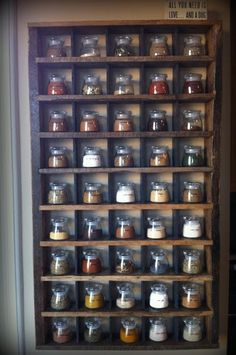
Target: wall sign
(186, 10)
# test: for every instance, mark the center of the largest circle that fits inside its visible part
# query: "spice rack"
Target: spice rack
(74, 68)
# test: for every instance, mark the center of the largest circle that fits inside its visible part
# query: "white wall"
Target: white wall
(52, 10)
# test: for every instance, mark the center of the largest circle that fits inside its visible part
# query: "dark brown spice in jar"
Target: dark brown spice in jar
(193, 84)
(92, 229)
(157, 121)
(123, 157)
(91, 263)
(57, 122)
(55, 48)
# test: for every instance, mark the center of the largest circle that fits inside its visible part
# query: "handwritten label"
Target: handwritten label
(186, 10)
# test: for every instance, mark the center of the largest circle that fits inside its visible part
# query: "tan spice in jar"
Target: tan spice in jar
(92, 197)
(192, 193)
(191, 301)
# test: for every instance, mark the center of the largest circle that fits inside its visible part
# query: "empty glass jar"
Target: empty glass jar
(192, 227)
(129, 331)
(124, 228)
(58, 157)
(123, 157)
(57, 85)
(59, 229)
(192, 192)
(92, 229)
(123, 122)
(126, 299)
(159, 156)
(91, 263)
(60, 299)
(93, 330)
(157, 121)
(158, 46)
(58, 194)
(62, 331)
(89, 122)
(123, 46)
(92, 85)
(192, 156)
(158, 84)
(159, 192)
(192, 120)
(124, 85)
(192, 330)
(159, 262)
(92, 193)
(89, 47)
(191, 296)
(57, 122)
(125, 262)
(156, 228)
(193, 46)
(94, 298)
(193, 84)
(92, 157)
(125, 192)
(192, 262)
(55, 48)
(60, 264)
(158, 329)
(159, 296)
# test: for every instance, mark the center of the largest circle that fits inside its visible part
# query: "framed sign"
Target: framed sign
(186, 10)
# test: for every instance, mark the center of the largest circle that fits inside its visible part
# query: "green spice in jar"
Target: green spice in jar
(192, 156)
(92, 332)
(60, 263)
(60, 299)
(192, 262)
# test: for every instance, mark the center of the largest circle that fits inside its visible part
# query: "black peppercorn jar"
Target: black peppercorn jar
(157, 121)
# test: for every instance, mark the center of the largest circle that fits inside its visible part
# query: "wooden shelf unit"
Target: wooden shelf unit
(41, 103)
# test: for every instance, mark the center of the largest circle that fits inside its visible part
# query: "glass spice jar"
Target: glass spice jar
(126, 299)
(92, 157)
(89, 122)
(59, 229)
(125, 193)
(192, 84)
(124, 85)
(92, 85)
(192, 120)
(158, 46)
(129, 332)
(193, 45)
(92, 229)
(159, 192)
(158, 329)
(157, 121)
(58, 194)
(158, 297)
(192, 227)
(192, 192)
(125, 263)
(93, 331)
(159, 262)
(92, 193)
(192, 330)
(89, 47)
(192, 262)
(125, 228)
(156, 228)
(191, 296)
(58, 157)
(123, 46)
(60, 264)
(123, 157)
(91, 263)
(57, 122)
(158, 85)
(60, 299)
(123, 122)
(159, 156)
(94, 298)
(62, 332)
(192, 156)
(57, 85)
(55, 48)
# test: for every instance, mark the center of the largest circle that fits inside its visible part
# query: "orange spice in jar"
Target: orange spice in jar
(57, 122)
(57, 85)
(129, 331)
(91, 263)
(89, 122)
(191, 297)
(125, 228)
(123, 122)
(62, 332)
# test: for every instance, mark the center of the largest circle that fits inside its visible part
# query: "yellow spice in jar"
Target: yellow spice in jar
(94, 301)
(59, 235)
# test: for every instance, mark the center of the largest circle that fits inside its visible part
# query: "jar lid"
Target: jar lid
(125, 254)
(60, 254)
(191, 114)
(192, 321)
(157, 321)
(57, 114)
(192, 149)
(192, 220)
(159, 287)
(124, 221)
(192, 185)
(158, 254)
(194, 254)
(89, 115)
(157, 114)
(193, 77)
(60, 289)
(159, 39)
(123, 78)
(158, 77)
(155, 222)
(129, 323)
(61, 323)
(57, 186)
(123, 149)
(56, 78)
(91, 254)
(125, 287)
(94, 289)
(58, 150)
(92, 150)
(157, 185)
(91, 79)
(92, 221)
(55, 41)
(93, 323)
(120, 115)
(159, 149)
(125, 185)
(59, 222)
(123, 39)
(191, 287)
(90, 186)
(193, 39)
(89, 40)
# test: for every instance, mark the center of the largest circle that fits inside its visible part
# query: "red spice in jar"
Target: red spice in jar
(91, 264)
(193, 84)
(56, 86)
(158, 85)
